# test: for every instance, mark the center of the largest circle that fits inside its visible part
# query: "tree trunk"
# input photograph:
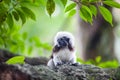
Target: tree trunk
(96, 39)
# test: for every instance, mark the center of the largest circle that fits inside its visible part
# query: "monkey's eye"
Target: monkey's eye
(61, 39)
(65, 38)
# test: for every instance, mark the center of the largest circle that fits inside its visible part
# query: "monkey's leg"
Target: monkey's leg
(51, 64)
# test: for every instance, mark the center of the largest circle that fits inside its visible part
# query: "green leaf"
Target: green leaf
(70, 6)
(86, 14)
(80, 60)
(72, 12)
(10, 20)
(16, 16)
(30, 49)
(37, 41)
(106, 14)
(64, 2)
(93, 10)
(50, 7)
(82, 15)
(39, 2)
(84, 1)
(46, 46)
(112, 4)
(16, 60)
(98, 59)
(22, 16)
(24, 35)
(93, 0)
(28, 12)
(109, 64)
(7, 1)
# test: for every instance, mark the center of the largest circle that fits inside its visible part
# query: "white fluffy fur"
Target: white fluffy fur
(63, 54)
(61, 34)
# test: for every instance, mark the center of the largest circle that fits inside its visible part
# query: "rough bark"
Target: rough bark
(34, 69)
(63, 72)
(5, 55)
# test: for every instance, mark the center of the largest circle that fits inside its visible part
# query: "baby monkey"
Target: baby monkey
(63, 50)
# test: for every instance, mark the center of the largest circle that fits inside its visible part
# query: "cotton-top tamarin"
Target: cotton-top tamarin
(63, 50)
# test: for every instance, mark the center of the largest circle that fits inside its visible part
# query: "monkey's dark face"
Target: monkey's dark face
(63, 41)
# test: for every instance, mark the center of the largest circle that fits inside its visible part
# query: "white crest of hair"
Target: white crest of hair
(64, 33)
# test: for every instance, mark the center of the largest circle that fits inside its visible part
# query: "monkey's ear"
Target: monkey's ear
(56, 48)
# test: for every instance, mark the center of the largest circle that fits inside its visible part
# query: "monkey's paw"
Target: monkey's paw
(59, 63)
(75, 64)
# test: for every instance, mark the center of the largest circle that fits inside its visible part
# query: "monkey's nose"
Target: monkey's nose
(62, 43)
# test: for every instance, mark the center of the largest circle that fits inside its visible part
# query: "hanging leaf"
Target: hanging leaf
(16, 16)
(50, 7)
(22, 16)
(64, 2)
(10, 20)
(93, 10)
(82, 15)
(72, 12)
(112, 4)
(86, 14)
(70, 6)
(16, 60)
(28, 12)
(106, 14)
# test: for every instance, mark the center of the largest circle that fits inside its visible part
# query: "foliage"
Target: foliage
(11, 10)
(98, 62)
(20, 43)
(12, 13)
(15, 13)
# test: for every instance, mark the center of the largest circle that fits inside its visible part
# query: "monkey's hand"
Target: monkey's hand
(57, 61)
(73, 62)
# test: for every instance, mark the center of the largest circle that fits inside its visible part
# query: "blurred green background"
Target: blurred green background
(35, 38)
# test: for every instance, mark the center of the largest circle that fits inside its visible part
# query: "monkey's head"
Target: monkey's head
(63, 39)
